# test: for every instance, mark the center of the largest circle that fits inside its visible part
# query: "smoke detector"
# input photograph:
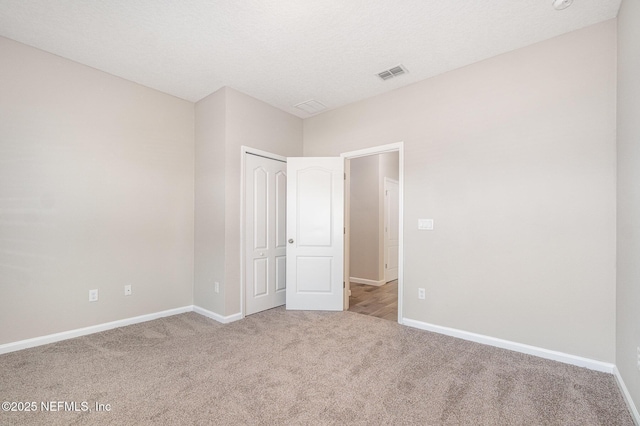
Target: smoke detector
(392, 72)
(311, 106)
(561, 4)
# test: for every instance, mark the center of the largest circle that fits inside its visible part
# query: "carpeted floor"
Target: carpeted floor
(283, 367)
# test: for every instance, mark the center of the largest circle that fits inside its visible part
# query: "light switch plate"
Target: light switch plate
(425, 224)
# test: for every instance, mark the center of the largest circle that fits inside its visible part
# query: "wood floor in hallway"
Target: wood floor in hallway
(381, 302)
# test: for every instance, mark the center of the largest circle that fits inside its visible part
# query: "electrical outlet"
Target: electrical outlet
(127, 290)
(93, 295)
(216, 287)
(421, 294)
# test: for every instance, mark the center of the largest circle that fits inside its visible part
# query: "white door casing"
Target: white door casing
(347, 234)
(265, 233)
(399, 147)
(391, 228)
(315, 224)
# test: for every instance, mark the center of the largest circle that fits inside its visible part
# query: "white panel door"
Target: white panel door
(391, 227)
(265, 233)
(315, 221)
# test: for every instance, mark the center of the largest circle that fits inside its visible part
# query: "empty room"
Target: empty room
(320, 212)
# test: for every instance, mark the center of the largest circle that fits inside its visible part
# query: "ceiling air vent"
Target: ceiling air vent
(311, 106)
(561, 4)
(392, 72)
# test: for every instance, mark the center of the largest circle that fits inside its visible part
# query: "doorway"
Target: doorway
(264, 265)
(323, 178)
(394, 287)
(373, 229)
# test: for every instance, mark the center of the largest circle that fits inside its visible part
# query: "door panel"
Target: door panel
(265, 233)
(314, 274)
(315, 210)
(260, 277)
(281, 209)
(281, 273)
(313, 193)
(260, 208)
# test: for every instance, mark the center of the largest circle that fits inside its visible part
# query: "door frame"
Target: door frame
(244, 150)
(381, 149)
(385, 217)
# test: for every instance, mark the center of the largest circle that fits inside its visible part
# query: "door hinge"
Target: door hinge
(385, 266)
(344, 285)
(386, 192)
(344, 230)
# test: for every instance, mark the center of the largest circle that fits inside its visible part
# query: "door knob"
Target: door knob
(290, 240)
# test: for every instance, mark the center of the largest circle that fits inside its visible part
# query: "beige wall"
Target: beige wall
(628, 289)
(226, 121)
(210, 149)
(514, 158)
(96, 191)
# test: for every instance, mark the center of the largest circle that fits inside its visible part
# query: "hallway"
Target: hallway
(380, 302)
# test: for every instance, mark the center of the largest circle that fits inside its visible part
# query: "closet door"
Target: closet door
(265, 233)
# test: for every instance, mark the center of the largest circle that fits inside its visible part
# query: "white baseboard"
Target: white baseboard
(627, 396)
(56, 337)
(209, 314)
(366, 281)
(579, 361)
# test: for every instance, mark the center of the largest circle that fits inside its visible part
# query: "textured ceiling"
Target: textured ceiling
(287, 51)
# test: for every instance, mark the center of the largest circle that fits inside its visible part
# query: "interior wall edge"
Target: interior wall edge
(627, 396)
